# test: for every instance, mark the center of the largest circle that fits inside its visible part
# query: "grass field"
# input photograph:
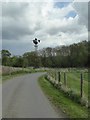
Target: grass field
(73, 80)
(61, 102)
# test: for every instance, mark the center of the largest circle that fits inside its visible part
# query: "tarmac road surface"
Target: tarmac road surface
(22, 97)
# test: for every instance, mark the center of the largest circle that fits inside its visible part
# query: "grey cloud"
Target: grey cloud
(14, 24)
(82, 11)
(15, 30)
(53, 31)
(16, 47)
(65, 29)
(89, 17)
(21, 23)
(13, 9)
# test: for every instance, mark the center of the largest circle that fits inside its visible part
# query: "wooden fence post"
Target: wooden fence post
(64, 78)
(55, 75)
(59, 77)
(81, 84)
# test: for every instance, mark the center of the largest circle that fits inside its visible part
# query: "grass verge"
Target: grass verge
(61, 102)
(12, 75)
(18, 73)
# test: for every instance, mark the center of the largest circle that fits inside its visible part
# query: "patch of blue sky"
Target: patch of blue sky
(61, 4)
(71, 14)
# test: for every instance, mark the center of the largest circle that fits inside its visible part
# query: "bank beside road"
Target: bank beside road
(62, 102)
(11, 72)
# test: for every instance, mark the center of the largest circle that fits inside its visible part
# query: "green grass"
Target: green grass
(14, 74)
(73, 81)
(69, 107)
(4, 77)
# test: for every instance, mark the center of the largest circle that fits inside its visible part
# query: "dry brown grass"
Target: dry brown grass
(8, 70)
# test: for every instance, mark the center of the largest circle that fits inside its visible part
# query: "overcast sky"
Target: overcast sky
(54, 23)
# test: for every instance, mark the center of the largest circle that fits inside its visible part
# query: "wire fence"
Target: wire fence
(75, 81)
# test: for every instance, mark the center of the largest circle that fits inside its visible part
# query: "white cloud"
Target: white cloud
(82, 11)
(22, 22)
(43, 0)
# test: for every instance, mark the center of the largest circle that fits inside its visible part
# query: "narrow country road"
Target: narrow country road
(22, 97)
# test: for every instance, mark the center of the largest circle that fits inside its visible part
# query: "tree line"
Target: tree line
(75, 55)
